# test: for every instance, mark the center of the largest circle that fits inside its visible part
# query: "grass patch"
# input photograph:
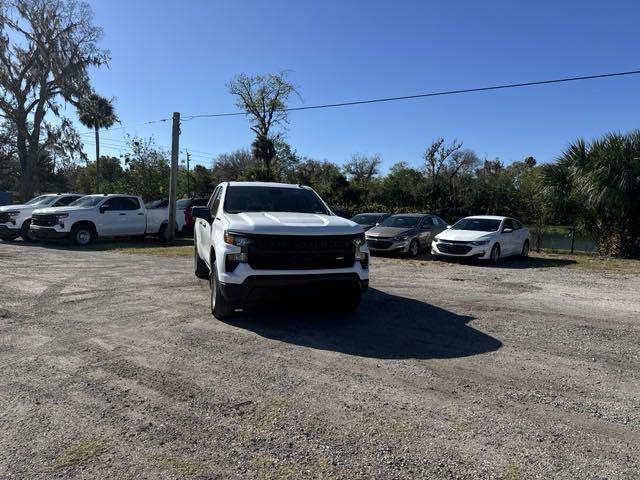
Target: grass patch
(595, 263)
(512, 472)
(182, 466)
(159, 250)
(80, 453)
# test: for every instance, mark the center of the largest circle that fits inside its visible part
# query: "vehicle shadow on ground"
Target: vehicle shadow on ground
(516, 263)
(385, 327)
(106, 245)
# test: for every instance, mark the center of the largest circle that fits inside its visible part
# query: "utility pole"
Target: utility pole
(173, 183)
(188, 175)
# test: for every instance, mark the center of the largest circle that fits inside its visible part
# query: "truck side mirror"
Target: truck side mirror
(104, 207)
(201, 212)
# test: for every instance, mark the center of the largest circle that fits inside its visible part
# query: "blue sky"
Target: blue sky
(178, 56)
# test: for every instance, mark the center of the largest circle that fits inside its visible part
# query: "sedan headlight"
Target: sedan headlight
(480, 242)
(401, 237)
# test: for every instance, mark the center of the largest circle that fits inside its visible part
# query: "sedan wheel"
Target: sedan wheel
(414, 248)
(495, 253)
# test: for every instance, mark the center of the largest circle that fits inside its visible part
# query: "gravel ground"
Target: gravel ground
(112, 367)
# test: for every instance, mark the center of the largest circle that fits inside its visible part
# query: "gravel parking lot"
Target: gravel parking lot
(112, 367)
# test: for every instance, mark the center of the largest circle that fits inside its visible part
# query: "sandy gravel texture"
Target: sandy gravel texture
(113, 367)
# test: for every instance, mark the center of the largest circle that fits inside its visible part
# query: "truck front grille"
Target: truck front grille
(288, 252)
(43, 220)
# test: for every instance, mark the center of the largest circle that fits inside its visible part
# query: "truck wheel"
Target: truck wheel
(25, 232)
(162, 233)
(525, 249)
(220, 307)
(81, 235)
(200, 268)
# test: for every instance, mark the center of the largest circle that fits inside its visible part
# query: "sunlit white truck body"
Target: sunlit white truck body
(101, 216)
(254, 237)
(16, 219)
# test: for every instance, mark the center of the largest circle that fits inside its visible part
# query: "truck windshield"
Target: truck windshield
(41, 200)
(88, 201)
(273, 199)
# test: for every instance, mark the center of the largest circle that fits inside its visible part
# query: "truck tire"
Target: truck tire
(200, 268)
(220, 307)
(162, 233)
(81, 235)
(25, 232)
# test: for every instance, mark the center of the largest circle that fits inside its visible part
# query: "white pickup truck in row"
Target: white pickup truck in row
(15, 220)
(101, 216)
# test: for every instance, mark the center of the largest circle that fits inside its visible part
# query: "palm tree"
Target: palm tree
(602, 182)
(97, 112)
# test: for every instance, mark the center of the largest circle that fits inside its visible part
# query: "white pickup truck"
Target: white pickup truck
(101, 216)
(16, 219)
(254, 238)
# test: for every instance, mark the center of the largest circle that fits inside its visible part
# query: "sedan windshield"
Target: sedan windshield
(477, 224)
(88, 201)
(273, 199)
(401, 221)
(41, 200)
(364, 219)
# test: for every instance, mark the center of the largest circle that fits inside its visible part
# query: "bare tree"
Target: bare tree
(264, 99)
(362, 168)
(46, 47)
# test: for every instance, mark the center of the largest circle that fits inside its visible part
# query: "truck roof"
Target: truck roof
(265, 184)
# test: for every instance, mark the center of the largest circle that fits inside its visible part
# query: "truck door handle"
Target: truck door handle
(141, 213)
(123, 214)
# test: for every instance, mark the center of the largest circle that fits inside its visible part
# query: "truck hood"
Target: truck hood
(11, 208)
(51, 210)
(464, 235)
(389, 231)
(290, 223)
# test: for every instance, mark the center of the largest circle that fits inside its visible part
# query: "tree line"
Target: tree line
(47, 47)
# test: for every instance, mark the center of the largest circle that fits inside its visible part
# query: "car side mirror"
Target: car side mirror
(448, 227)
(104, 208)
(507, 230)
(201, 212)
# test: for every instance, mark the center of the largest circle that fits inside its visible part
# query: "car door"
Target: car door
(425, 229)
(122, 216)
(508, 239)
(203, 228)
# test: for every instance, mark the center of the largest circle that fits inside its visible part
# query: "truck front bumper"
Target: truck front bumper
(8, 232)
(261, 288)
(47, 233)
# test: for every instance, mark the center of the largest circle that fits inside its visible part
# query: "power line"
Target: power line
(430, 94)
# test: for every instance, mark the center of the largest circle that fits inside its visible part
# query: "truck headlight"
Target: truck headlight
(12, 216)
(361, 256)
(232, 260)
(60, 218)
(236, 239)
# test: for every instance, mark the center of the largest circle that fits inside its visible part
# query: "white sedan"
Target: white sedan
(484, 237)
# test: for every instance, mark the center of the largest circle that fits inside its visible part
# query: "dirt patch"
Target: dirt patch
(114, 368)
